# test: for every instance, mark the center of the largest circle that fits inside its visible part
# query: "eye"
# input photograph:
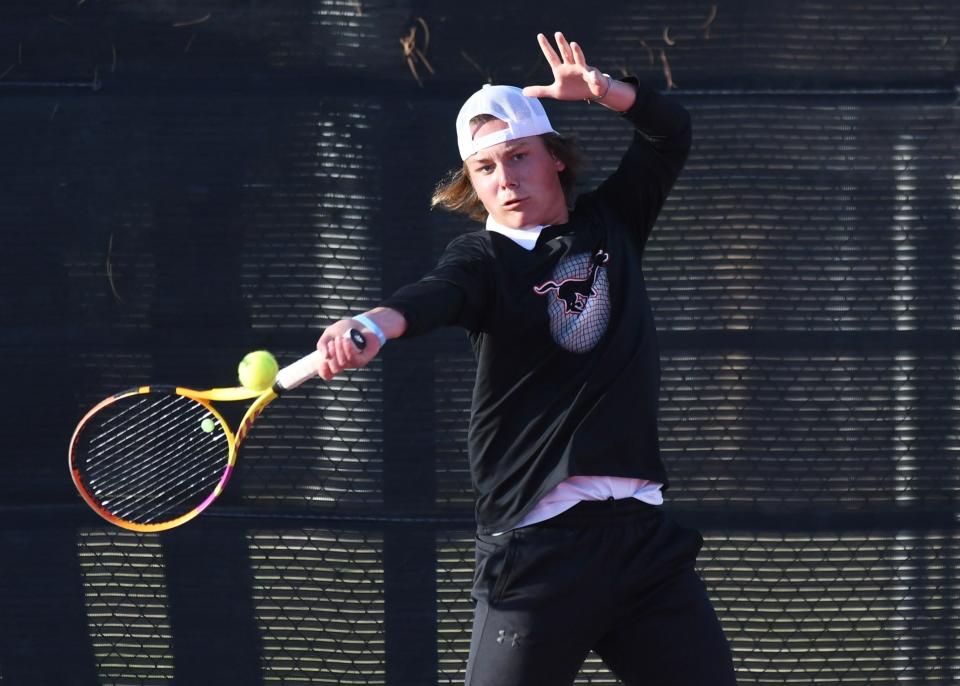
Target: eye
(485, 169)
(520, 156)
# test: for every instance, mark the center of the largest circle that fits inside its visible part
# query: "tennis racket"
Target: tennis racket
(154, 457)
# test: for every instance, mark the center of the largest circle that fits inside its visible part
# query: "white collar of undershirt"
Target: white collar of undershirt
(525, 238)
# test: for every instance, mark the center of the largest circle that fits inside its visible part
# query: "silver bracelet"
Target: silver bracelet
(372, 325)
(598, 98)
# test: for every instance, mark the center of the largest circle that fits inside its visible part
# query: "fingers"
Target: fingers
(538, 91)
(338, 357)
(324, 370)
(570, 54)
(565, 50)
(578, 57)
(552, 58)
(335, 359)
(339, 352)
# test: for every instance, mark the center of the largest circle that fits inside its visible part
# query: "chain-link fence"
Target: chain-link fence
(185, 183)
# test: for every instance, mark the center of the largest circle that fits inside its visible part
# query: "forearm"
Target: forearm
(650, 167)
(620, 96)
(663, 121)
(429, 304)
(391, 322)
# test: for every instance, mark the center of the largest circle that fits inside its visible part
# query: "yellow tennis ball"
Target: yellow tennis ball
(207, 425)
(257, 370)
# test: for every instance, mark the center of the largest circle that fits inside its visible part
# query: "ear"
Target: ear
(558, 163)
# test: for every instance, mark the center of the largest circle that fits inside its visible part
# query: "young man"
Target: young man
(573, 553)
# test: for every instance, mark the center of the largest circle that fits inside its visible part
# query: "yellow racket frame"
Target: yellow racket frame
(205, 398)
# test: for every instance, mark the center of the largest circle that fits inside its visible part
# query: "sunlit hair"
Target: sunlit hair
(455, 192)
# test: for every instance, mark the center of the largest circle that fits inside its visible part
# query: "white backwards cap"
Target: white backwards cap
(523, 116)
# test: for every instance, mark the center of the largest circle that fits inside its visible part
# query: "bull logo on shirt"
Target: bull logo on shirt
(573, 292)
(580, 307)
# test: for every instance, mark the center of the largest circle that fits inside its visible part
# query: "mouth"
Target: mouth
(511, 204)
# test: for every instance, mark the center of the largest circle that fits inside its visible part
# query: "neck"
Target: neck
(494, 225)
(558, 214)
(562, 216)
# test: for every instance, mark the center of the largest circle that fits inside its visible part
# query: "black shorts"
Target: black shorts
(616, 577)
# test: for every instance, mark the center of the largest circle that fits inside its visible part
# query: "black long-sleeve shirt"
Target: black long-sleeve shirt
(568, 366)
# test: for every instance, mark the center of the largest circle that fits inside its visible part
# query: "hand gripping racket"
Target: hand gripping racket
(154, 457)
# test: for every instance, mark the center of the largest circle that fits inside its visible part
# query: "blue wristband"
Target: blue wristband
(370, 324)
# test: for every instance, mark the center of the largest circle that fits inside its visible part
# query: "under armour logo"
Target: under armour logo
(514, 640)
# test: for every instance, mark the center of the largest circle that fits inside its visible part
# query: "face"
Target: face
(518, 181)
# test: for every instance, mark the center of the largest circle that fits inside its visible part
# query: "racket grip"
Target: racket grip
(305, 368)
(300, 371)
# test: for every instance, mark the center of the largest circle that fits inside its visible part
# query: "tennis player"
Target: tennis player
(573, 551)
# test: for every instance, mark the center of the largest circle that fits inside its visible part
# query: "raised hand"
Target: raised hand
(573, 78)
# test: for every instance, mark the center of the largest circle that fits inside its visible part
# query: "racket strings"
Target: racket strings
(123, 459)
(149, 459)
(119, 434)
(152, 479)
(147, 450)
(161, 482)
(144, 432)
(179, 487)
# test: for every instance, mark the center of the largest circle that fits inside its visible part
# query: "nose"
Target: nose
(506, 178)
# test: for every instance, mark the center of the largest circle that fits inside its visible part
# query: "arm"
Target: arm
(639, 187)
(453, 293)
